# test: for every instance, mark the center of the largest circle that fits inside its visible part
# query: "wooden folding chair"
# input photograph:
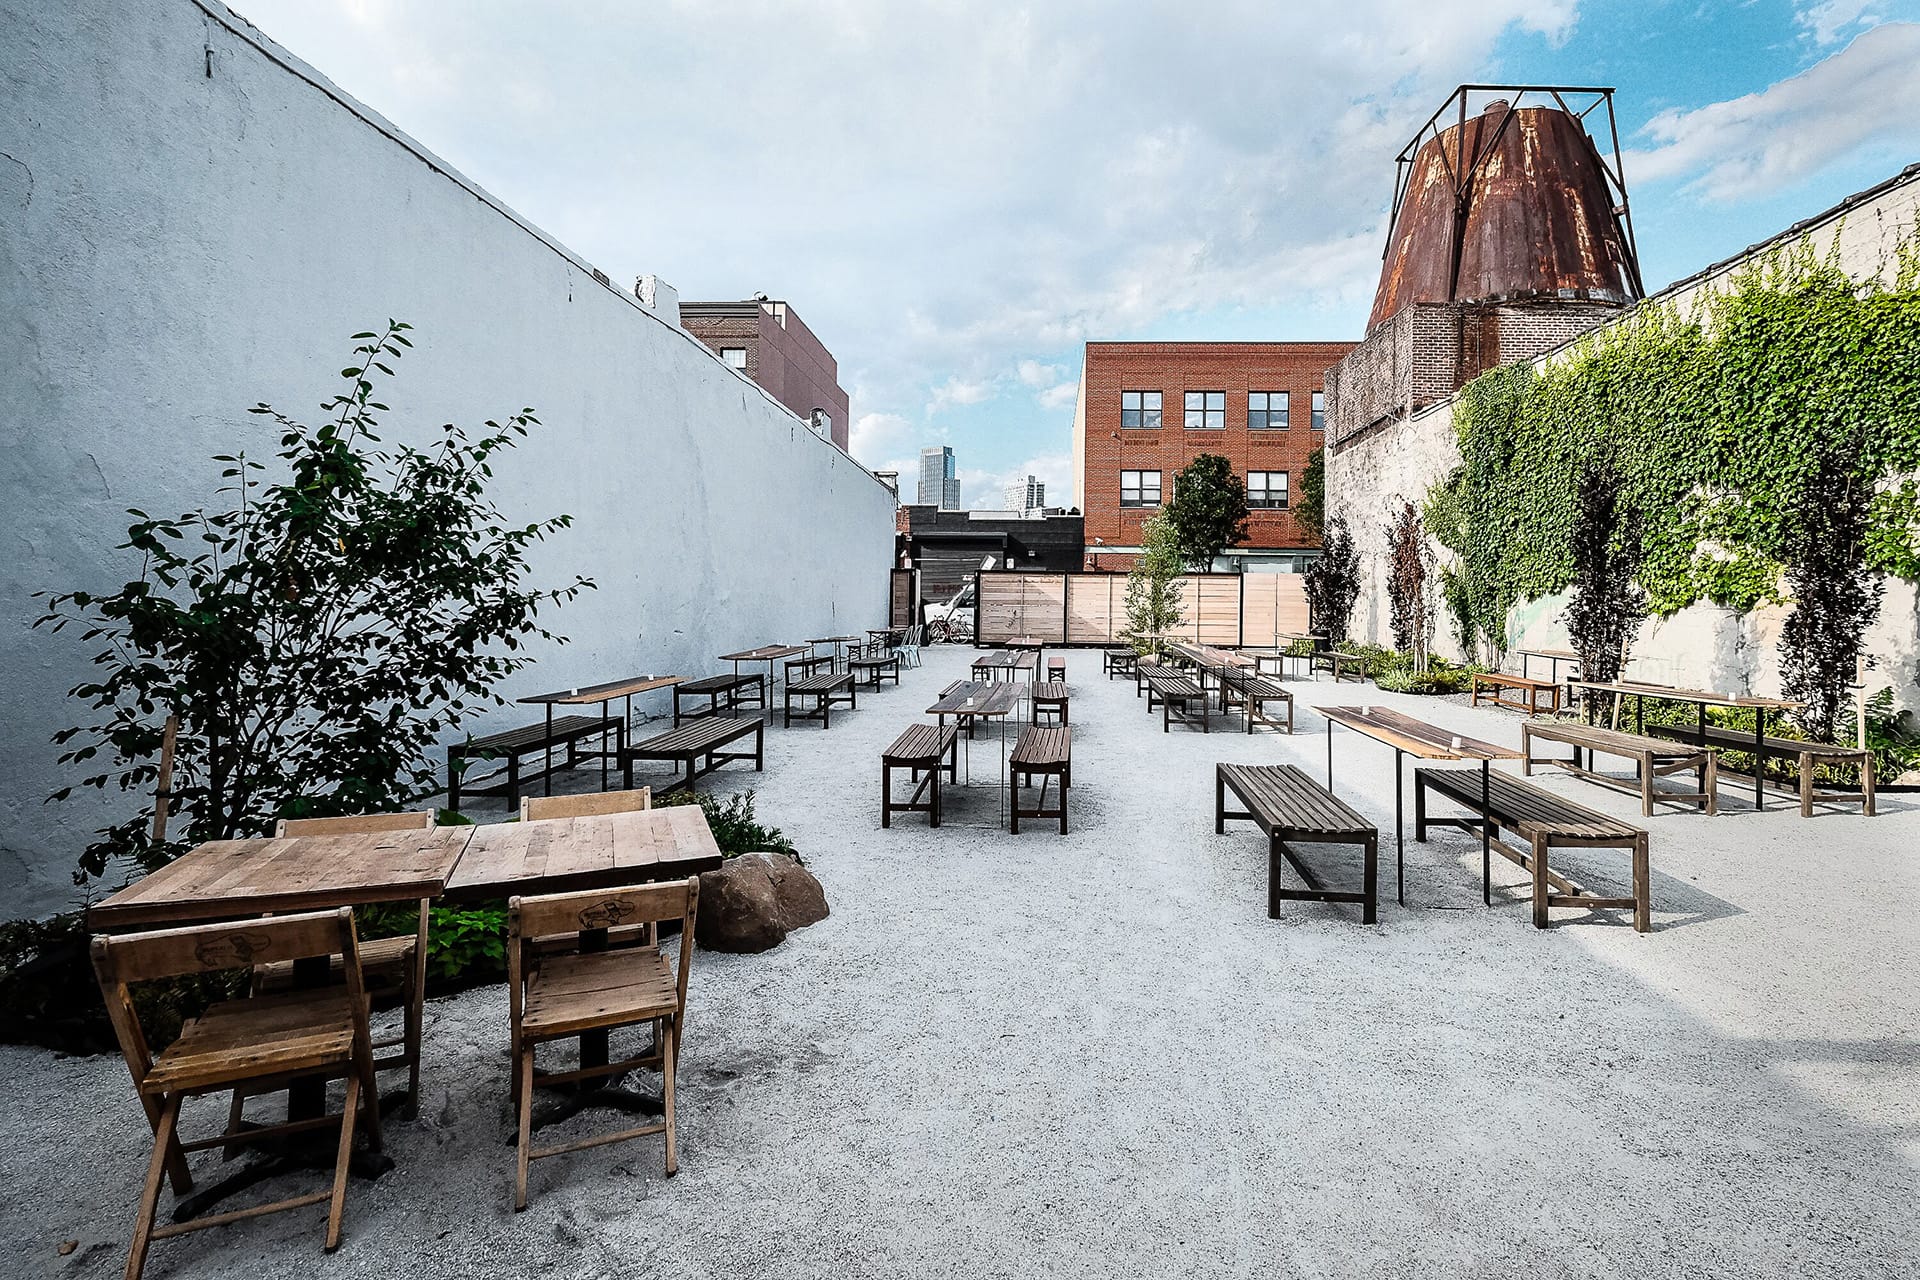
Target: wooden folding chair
(591, 989)
(394, 969)
(266, 1042)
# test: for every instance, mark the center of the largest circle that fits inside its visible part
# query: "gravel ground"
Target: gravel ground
(1096, 1056)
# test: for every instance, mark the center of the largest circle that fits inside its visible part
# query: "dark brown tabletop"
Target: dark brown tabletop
(224, 879)
(988, 698)
(1416, 737)
(559, 855)
(606, 692)
(765, 653)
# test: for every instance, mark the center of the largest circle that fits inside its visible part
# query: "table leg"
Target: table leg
(1486, 837)
(1399, 833)
(605, 731)
(546, 775)
(1329, 755)
(1759, 761)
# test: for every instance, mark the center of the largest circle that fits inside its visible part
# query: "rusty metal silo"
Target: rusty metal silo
(1513, 203)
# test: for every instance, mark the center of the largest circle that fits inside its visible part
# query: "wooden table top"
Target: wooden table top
(1703, 697)
(989, 698)
(1416, 737)
(227, 878)
(606, 692)
(559, 855)
(1025, 642)
(1208, 656)
(1010, 659)
(765, 653)
(833, 640)
(1562, 654)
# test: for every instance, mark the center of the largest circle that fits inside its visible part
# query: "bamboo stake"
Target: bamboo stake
(163, 786)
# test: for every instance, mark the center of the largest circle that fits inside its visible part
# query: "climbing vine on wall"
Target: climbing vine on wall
(1711, 415)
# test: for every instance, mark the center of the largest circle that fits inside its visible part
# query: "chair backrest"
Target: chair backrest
(560, 914)
(355, 824)
(212, 948)
(590, 804)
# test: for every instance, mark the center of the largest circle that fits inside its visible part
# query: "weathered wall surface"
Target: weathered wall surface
(191, 220)
(1370, 475)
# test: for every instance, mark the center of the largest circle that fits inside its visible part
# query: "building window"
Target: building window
(1207, 410)
(1267, 410)
(1319, 411)
(736, 357)
(1139, 488)
(1267, 490)
(1139, 408)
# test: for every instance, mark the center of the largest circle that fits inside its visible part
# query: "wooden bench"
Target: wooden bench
(876, 668)
(1652, 758)
(1337, 661)
(825, 691)
(1145, 671)
(1544, 821)
(1118, 662)
(1288, 805)
(1050, 696)
(1806, 756)
(801, 668)
(1495, 685)
(1044, 752)
(928, 750)
(1056, 669)
(724, 693)
(512, 744)
(1171, 691)
(1251, 693)
(696, 747)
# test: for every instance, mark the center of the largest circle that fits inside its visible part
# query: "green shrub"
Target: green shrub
(734, 826)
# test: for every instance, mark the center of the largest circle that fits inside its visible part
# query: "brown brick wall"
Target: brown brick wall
(1173, 368)
(792, 364)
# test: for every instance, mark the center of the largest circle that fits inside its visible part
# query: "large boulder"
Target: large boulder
(755, 900)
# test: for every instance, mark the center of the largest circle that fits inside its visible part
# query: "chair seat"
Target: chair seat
(289, 1034)
(569, 994)
(384, 962)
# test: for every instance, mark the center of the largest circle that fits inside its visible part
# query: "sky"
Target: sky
(956, 196)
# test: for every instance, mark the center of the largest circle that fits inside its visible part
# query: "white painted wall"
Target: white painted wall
(1704, 644)
(175, 246)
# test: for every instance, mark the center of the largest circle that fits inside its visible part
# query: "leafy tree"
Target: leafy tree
(1333, 581)
(1409, 590)
(1153, 587)
(316, 634)
(1835, 592)
(1208, 512)
(1607, 603)
(1310, 506)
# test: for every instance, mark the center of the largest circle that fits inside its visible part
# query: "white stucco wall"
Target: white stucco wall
(176, 246)
(1704, 644)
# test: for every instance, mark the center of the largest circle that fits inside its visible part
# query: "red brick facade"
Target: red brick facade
(1103, 448)
(783, 355)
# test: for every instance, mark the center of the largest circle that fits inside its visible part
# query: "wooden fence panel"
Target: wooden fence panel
(1096, 607)
(1022, 604)
(1275, 605)
(1091, 608)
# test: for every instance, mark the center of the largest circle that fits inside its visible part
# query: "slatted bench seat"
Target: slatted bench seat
(511, 745)
(1050, 698)
(697, 747)
(1045, 752)
(1543, 821)
(1652, 758)
(1289, 806)
(1118, 662)
(873, 669)
(1176, 696)
(1145, 671)
(824, 692)
(725, 694)
(1806, 755)
(1343, 665)
(1251, 693)
(801, 668)
(1495, 686)
(927, 750)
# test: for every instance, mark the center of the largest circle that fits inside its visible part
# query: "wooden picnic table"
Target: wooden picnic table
(971, 701)
(604, 694)
(1214, 662)
(769, 654)
(839, 644)
(1412, 737)
(1700, 699)
(1009, 661)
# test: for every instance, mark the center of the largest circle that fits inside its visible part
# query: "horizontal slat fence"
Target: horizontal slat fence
(1091, 608)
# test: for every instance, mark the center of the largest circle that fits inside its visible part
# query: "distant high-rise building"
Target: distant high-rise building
(1026, 495)
(939, 486)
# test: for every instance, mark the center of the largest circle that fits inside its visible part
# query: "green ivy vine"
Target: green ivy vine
(1709, 415)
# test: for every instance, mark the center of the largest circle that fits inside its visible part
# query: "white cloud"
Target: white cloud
(1827, 21)
(957, 391)
(1060, 395)
(1867, 94)
(1034, 374)
(984, 488)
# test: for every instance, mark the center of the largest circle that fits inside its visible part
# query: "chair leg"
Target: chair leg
(525, 1143)
(163, 1137)
(338, 1205)
(670, 1059)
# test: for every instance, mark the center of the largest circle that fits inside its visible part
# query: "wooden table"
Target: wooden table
(1553, 656)
(970, 701)
(769, 654)
(1410, 737)
(604, 694)
(1009, 661)
(839, 644)
(564, 855)
(1210, 661)
(1701, 699)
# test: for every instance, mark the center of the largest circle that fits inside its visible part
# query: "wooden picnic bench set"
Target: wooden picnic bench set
(1186, 686)
(1040, 761)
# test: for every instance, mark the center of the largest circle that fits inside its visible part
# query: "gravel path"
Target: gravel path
(1096, 1056)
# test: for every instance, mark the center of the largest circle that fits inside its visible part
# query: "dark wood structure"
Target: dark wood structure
(926, 751)
(698, 747)
(1044, 752)
(1287, 806)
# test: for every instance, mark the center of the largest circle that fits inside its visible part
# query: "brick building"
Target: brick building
(1146, 409)
(766, 340)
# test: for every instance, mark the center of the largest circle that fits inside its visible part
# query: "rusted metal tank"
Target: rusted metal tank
(1513, 203)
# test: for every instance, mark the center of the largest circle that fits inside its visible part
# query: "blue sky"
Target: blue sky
(956, 195)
